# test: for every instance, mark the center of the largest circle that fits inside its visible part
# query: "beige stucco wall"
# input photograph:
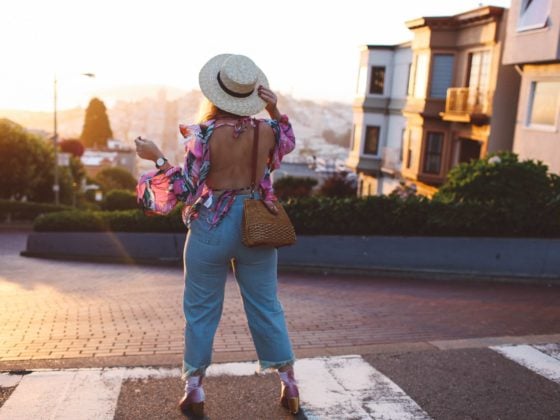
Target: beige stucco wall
(536, 45)
(531, 142)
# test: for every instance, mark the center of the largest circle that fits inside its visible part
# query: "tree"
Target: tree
(342, 139)
(97, 129)
(72, 146)
(522, 195)
(499, 179)
(293, 187)
(25, 161)
(115, 179)
(338, 185)
(27, 167)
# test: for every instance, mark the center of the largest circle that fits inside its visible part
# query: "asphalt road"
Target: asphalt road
(426, 346)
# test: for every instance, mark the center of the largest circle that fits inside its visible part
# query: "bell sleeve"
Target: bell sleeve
(158, 192)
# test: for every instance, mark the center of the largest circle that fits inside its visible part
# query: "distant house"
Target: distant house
(378, 123)
(461, 101)
(533, 46)
(117, 154)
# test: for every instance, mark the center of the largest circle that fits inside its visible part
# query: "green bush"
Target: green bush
(115, 179)
(520, 195)
(294, 187)
(25, 210)
(498, 180)
(120, 200)
(337, 186)
(375, 215)
(116, 221)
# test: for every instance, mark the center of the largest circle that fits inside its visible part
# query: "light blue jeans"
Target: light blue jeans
(208, 255)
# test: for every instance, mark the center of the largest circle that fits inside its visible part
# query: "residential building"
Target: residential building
(378, 123)
(117, 154)
(533, 46)
(461, 99)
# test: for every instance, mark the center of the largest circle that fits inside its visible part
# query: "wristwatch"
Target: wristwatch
(160, 162)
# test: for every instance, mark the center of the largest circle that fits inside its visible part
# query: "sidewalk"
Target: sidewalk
(54, 310)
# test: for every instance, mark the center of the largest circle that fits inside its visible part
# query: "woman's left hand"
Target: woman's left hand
(271, 206)
(147, 149)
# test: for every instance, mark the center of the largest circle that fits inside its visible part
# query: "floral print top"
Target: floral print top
(158, 192)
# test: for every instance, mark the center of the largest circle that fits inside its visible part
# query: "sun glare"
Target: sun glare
(305, 51)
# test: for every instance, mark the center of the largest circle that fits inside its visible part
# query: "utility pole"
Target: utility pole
(56, 186)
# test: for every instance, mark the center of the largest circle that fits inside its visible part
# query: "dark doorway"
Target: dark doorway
(468, 150)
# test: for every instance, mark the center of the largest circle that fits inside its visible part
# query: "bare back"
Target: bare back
(230, 158)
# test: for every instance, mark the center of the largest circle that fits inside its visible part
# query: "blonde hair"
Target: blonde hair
(208, 111)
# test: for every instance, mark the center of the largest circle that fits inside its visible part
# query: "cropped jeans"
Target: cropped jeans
(208, 255)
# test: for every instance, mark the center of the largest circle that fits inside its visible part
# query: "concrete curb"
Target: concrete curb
(526, 260)
(174, 360)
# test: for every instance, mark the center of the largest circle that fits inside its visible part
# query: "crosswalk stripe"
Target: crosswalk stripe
(532, 358)
(71, 393)
(7, 380)
(331, 387)
(349, 387)
(63, 395)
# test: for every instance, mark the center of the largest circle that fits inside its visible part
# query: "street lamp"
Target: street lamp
(56, 186)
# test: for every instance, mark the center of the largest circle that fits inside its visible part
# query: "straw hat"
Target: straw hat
(231, 83)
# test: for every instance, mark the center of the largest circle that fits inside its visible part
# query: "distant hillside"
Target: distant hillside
(322, 128)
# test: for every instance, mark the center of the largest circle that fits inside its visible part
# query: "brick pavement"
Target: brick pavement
(61, 310)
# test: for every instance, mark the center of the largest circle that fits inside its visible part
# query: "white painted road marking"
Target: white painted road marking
(533, 359)
(553, 350)
(336, 387)
(72, 393)
(7, 380)
(348, 387)
(84, 394)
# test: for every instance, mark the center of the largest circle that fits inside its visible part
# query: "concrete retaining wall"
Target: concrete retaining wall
(537, 258)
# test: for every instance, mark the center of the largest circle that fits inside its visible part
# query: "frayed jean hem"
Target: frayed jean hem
(265, 366)
(189, 370)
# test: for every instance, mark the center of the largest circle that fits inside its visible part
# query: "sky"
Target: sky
(307, 48)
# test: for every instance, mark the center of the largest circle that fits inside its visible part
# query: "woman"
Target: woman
(213, 183)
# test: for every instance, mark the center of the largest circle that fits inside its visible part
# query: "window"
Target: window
(533, 14)
(362, 80)
(543, 105)
(442, 75)
(377, 80)
(403, 133)
(352, 135)
(408, 79)
(371, 145)
(479, 70)
(432, 154)
(420, 76)
(409, 155)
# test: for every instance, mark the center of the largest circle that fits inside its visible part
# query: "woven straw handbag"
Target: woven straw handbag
(261, 227)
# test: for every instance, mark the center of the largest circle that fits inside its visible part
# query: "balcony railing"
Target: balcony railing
(468, 102)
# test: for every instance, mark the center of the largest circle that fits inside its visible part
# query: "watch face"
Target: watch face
(160, 162)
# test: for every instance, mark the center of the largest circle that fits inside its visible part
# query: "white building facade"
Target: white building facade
(378, 123)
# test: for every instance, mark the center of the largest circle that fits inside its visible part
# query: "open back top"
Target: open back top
(217, 167)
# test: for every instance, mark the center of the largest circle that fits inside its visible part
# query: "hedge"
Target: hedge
(120, 200)
(115, 221)
(24, 210)
(376, 215)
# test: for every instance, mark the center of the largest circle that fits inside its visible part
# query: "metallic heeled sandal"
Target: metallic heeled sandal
(289, 397)
(192, 402)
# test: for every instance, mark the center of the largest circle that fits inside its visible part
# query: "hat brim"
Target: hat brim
(208, 82)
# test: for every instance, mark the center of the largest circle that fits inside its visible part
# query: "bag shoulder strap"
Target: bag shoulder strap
(254, 158)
